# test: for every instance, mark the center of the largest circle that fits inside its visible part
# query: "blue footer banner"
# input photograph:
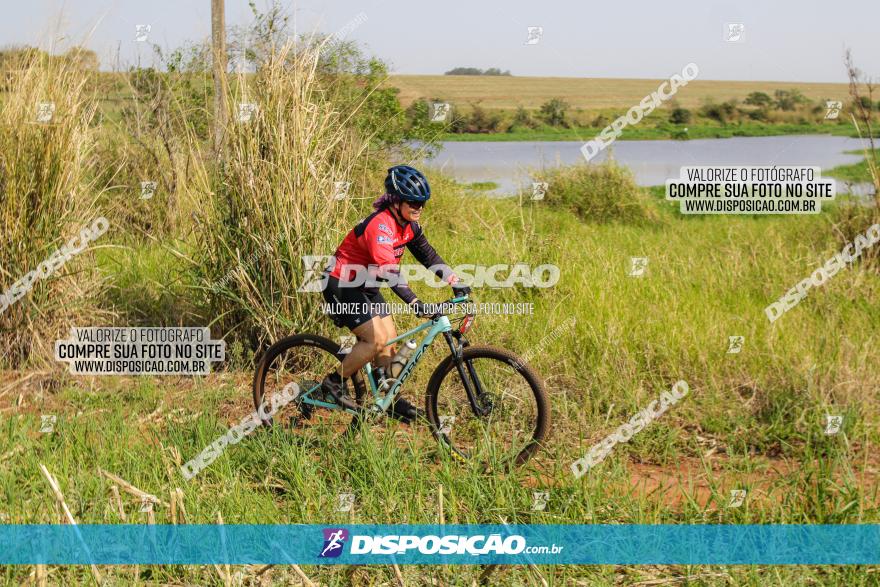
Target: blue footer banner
(435, 544)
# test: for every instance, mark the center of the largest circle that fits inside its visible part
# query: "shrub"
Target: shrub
(418, 116)
(475, 71)
(759, 114)
(418, 113)
(680, 116)
(553, 112)
(788, 100)
(721, 112)
(758, 99)
(522, 118)
(480, 121)
(596, 193)
(601, 121)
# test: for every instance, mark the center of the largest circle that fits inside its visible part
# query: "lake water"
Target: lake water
(653, 162)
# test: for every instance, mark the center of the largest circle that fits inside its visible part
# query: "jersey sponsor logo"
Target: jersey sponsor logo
(385, 229)
(383, 239)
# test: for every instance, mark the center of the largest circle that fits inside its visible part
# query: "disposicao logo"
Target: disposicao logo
(334, 541)
(450, 544)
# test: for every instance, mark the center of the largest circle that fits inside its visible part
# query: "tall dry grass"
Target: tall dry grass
(854, 219)
(46, 197)
(162, 113)
(269, 197)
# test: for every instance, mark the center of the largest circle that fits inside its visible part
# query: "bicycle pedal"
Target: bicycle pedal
(373, 413)
(306, 411)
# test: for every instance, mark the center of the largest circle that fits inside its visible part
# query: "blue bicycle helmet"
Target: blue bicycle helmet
(408, 183)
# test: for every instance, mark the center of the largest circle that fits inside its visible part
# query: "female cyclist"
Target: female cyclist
(378, 241)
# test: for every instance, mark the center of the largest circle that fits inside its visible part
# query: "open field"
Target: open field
(508, 92)
(503, 108)
(655, 126)
(220, 241)
(753, 420)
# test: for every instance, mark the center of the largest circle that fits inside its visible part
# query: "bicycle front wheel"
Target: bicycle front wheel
(509, 416)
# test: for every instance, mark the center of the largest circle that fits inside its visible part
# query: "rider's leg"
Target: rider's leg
(383, 359)
(400, 409)
(372, 337)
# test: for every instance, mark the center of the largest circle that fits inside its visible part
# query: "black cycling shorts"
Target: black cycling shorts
(352, 306)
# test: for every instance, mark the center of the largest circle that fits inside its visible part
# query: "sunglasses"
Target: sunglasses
(416, 205)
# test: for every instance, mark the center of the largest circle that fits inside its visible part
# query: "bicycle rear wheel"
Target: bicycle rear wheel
(512, 417)
(303, 359)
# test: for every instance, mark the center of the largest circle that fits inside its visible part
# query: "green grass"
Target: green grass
(148, 289)
(857, 172)
(482, 186)
(752, 420)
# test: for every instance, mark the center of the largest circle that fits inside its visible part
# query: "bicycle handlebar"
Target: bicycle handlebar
(444, 306)
(440, 308)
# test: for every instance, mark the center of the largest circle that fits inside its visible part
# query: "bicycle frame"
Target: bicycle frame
(434, 327)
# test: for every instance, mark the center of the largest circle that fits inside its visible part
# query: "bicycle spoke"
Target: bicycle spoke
(510, 429)
(304, 360)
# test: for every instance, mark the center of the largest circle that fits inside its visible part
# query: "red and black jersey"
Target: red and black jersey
(380, 241)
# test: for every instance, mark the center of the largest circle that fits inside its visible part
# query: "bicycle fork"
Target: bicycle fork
(480, 401)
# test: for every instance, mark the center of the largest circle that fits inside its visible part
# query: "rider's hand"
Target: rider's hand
(460, 291)
(423, 310)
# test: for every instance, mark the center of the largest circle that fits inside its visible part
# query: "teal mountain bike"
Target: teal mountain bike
(482, 402)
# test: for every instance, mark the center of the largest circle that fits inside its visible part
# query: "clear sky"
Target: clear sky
(781, 40)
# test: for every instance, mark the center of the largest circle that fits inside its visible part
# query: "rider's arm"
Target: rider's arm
(427, 256)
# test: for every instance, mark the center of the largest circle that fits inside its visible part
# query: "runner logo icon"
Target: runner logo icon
(334, 541)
